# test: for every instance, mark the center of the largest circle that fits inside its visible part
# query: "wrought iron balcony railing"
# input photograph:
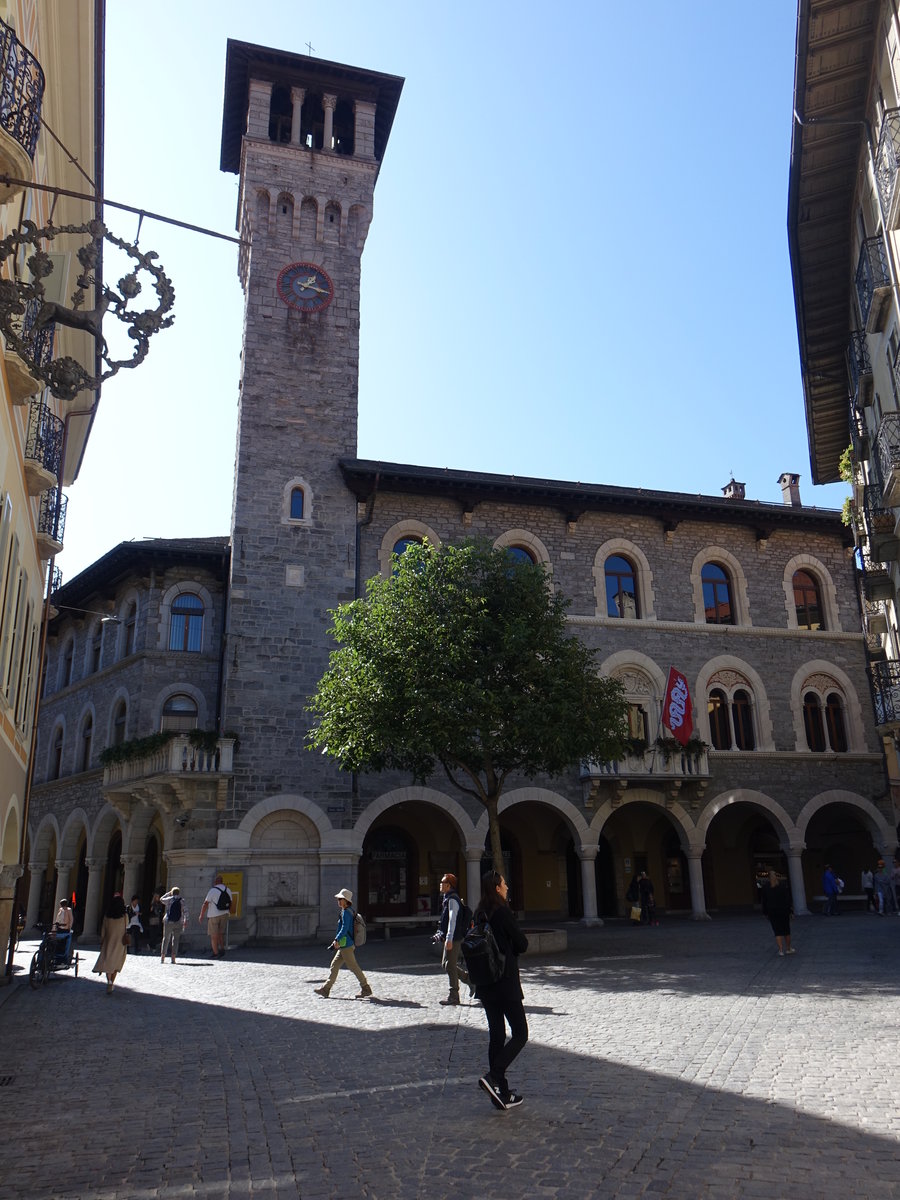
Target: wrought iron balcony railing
(886, 692)
(876, 579)
(41, 342)
(887, 166)
(873, 282)
(54, 581)
(859, 434)
(887, 458)
(44, 439)
(52, 520)
(21, 91)
(860, 366)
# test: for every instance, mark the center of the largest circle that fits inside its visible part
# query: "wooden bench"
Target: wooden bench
(844, 896)
(405, 922)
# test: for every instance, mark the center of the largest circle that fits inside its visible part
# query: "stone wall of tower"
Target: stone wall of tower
(297, 418)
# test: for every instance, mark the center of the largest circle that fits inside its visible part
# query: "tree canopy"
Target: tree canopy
(461, 659)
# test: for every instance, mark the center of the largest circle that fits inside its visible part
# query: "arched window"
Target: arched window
(834, 719)
(719, 728)
(120, 720)
(297, 504)
(742, 717)
(718, 602)
(96, 648)
(812, 722)
(730, 711)
(186, 623)
(179, 713)
(807, 601)
(519, 554)
(403, 544)
(129, 643)
(621, 588)
(56, 753)
(68, 673)
(87, 739)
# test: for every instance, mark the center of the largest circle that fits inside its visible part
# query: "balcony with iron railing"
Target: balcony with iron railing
(859, 364)
(859, 435)
(38, 350)
(887, 167)
(873, 283)
(887, 458)
(21, 97)
(43, 448)
(876, 579)
(886, 693)
(879, 523)
(51, 524)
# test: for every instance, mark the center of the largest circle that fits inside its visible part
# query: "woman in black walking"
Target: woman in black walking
(502, 1000)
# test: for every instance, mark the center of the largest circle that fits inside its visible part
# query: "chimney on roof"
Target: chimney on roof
(734, 490)
(790, 488)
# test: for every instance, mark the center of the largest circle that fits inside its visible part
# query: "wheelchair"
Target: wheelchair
(55, 953)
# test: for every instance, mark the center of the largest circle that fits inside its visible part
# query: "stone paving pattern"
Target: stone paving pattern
(683, 1061)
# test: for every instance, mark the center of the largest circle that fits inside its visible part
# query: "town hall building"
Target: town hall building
(188, 663)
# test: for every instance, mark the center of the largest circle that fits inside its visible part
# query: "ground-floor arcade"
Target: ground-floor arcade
(285, 860)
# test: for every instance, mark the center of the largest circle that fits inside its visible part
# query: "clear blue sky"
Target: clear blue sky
(577, 269)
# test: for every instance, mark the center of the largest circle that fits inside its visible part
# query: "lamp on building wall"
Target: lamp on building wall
(105, 618)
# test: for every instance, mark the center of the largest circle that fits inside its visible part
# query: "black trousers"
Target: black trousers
(502, 1004)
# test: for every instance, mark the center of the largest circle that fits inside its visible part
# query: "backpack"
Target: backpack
(485, 960)
(463, 921)
(174, 913)
(223, 904)
(360, 933)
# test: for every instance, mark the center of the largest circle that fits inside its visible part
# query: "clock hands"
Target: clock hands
(309, 285)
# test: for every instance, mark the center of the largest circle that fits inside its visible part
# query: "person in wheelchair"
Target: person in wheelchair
(62, 927)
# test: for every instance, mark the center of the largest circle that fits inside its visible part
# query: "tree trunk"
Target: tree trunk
(494, 827)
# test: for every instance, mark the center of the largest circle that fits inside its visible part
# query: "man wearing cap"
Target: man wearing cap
(218, 917)
(173, 923)
(451, 934)
(345, 948)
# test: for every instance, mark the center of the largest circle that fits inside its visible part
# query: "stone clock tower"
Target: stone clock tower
(306, 138)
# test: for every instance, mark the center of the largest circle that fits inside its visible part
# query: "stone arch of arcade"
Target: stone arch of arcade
(743, 834)
(847, 830)
(549, 852)
(406, 839)
(647, 830)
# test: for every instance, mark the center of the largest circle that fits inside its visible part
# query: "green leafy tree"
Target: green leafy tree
(461, 659)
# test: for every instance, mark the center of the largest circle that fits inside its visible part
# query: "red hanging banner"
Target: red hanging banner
(678, 715)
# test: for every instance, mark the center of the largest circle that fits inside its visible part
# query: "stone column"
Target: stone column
(364, 129)
(473, 875)
(695, 873)
(132, 868)
(328, 103)
(795, 874)
(92, 914)
(588, 856)
(258, 109)
(32, 907)
(298, 95)
(63, 881)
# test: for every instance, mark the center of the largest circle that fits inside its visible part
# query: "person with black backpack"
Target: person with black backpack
(456, 917)
(173, 923)
(502, 998)
(218, 905)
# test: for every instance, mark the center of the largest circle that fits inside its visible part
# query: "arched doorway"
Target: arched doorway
(640, 836)
(113, 876)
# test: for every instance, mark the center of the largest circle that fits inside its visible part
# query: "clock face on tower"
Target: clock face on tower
(305, 286)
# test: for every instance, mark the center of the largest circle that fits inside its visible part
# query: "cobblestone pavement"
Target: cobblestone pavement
(684, 1061)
